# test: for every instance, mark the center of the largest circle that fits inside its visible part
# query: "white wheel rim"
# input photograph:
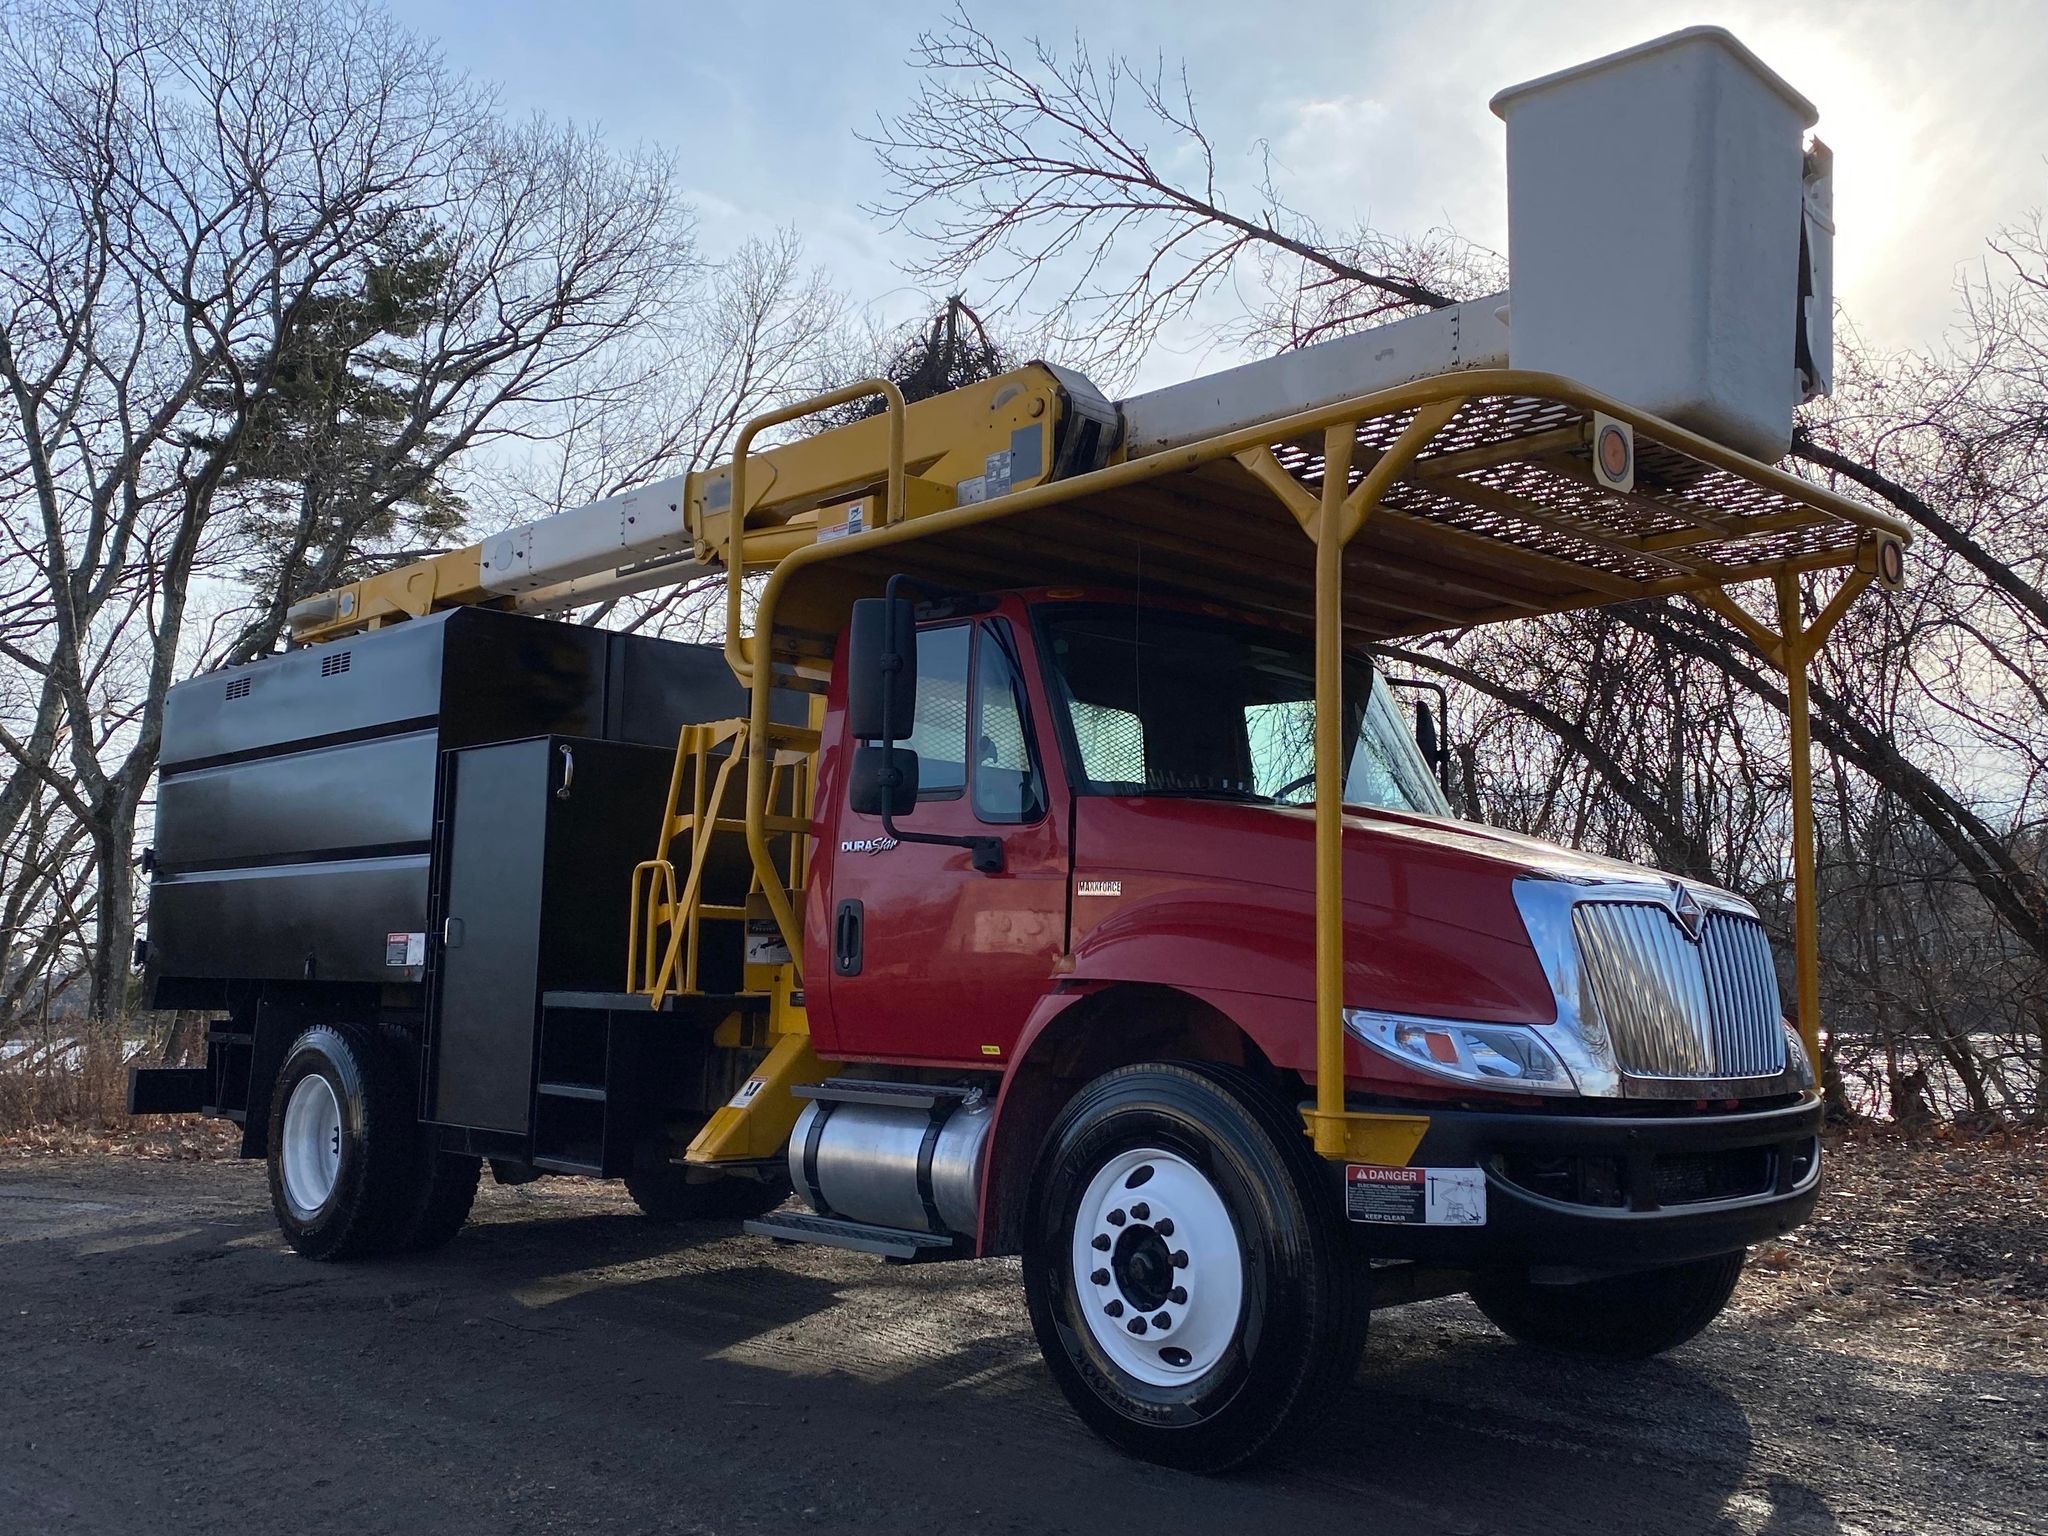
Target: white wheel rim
(312, 1144)
(1158, 1272)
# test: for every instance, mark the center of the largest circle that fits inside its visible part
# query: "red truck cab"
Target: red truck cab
(1590, 1057)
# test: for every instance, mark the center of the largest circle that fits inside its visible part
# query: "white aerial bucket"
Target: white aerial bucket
(1669, 237)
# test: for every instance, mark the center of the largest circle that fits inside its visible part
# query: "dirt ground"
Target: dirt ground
(167, 1365)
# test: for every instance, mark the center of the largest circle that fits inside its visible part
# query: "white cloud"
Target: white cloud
(1371, 111)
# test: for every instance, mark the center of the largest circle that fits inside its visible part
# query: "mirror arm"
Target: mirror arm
(985, 853)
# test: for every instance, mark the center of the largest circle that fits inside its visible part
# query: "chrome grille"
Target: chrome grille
(1674, 1008)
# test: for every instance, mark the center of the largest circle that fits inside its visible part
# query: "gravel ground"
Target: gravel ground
(565, 1366)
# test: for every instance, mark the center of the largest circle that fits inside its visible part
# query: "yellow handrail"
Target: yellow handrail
(737, 653)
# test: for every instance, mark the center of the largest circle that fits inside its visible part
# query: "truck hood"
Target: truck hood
(1188, 836)
(1212, 893)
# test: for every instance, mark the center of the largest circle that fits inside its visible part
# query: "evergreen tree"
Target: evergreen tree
(336, 464)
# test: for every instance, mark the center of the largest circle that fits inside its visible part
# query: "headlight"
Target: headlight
(1503, 1057)
(1797, 1063)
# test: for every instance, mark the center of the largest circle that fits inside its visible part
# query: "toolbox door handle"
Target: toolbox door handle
(568, 772)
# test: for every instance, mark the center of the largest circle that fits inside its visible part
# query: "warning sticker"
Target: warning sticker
(1418, 1197)
(748, 1089)
(765, 945)
(405, 949)
(833, 526)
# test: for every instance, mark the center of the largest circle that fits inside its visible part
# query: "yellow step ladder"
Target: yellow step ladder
(666, 925)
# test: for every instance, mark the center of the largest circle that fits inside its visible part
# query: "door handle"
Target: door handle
(846, 939)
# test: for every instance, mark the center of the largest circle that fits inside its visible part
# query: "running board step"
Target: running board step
(587, 1167)
(831, 1232)
(860, 1090)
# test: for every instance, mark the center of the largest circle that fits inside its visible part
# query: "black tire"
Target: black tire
(1304, 1286)
(667, 1194)
(1624, 1317)
(370, 1143)
(444, 1189)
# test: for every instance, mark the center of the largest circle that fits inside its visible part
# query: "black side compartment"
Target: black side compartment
(295, 812)
(538, 841)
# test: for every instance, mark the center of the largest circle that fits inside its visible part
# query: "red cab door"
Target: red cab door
(927, 959)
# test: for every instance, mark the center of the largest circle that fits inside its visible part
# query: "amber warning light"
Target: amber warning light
(1614, 452)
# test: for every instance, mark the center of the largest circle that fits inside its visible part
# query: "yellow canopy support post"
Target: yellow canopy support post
(1805, 873)
(1791, 648)
(1329, 657)
(1341, 513)
(752, 664)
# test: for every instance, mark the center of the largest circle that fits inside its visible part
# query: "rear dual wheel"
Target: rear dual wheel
(1192, 1286)
(352, 1173)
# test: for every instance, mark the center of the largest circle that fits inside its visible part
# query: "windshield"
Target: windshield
(1163, 703)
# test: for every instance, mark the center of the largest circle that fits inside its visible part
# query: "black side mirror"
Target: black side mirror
(881, 692)
(881, 670)
(883, 781)
(1429, 735)
(1428, 739)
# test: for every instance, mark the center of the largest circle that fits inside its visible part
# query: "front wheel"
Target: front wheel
(1191, 1284)
(1623, 1317)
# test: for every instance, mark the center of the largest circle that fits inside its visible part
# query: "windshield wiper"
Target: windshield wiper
(1243, 796)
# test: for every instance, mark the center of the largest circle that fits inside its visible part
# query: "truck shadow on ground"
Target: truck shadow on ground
(598, 1319)
(1445, 1419)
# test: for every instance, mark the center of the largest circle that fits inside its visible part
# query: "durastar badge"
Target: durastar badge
(867, 845)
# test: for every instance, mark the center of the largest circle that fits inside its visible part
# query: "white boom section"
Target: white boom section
(602, 537)
(1469, 335)
(634, 541)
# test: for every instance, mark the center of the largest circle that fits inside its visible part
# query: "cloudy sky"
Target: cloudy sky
(1937, 113)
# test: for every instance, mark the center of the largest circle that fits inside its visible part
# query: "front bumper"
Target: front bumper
(1576, 1192)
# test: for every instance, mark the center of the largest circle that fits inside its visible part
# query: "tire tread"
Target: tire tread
(1627, 1317)
(1313, 1245)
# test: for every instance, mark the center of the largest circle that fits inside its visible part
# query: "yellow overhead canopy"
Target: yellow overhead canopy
(1500, 516)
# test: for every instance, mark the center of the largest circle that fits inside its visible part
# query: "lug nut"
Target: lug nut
(1140, 1211)
(1100, 1277)
(1164, 1226)
(1136, 1325)
(1178, 1295)
(1117, 1218)
(1102, 1242)
(1180, 1258)
(1114, 1309)
(1162, 1320)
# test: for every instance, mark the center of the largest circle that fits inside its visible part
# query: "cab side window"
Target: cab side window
(939, 737)
(1007, 784)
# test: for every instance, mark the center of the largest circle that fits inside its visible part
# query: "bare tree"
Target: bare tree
(1655, 731)
(183, 188)
(752, 331)
(1093, 184)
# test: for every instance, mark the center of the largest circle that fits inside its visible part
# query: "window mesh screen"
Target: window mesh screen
(939, 737)
(1111, 742)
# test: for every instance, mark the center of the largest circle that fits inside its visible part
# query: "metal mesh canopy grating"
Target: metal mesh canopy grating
(1499, 517)
(1518, 471)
